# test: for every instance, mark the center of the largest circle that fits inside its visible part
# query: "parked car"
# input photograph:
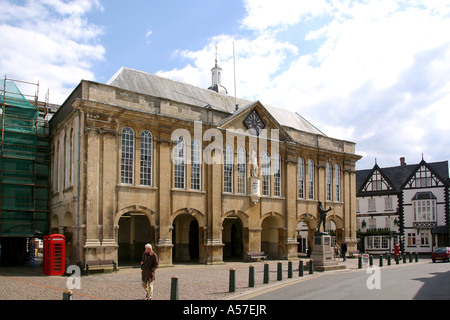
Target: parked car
(442, 253)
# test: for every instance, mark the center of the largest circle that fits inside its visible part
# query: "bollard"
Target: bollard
(410, 256)
(396, 259)
(311, 267)
(289, 269)
(232, 280)
(404, 258)
(360, 262)
(280, 271)
(174, 288)
(266, 273)
(251, 277)
(381, 260)
(300, 268)
(67, 295)
(417, 257)
(371, 260)
(389, 259)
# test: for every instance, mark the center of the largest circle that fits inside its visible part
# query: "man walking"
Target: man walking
(344, 250)
(149, 264)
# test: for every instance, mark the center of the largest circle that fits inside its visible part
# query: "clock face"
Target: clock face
(254, 121)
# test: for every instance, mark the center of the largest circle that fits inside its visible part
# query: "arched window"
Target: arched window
(301, 178)
(127, 160)
(242, 171)
(337, 181)
(228, 169)
(277, 176)
(265, 173)
(196, 165)
(310, 179)
(179, 163)
(146, 158)
(329, 178)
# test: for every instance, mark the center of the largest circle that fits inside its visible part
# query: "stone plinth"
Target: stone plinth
(323, 254)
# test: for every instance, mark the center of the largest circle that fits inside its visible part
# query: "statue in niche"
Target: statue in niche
(254, 170)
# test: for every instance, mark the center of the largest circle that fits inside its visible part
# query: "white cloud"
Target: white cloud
(378, 74)
(51, 42)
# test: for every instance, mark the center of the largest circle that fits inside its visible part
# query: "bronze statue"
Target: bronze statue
(322, 216)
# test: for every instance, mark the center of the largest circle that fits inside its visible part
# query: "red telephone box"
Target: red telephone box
(54, 255)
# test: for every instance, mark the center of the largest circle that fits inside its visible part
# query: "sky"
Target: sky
(376, 73)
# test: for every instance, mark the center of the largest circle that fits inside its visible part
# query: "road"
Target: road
(421, 281)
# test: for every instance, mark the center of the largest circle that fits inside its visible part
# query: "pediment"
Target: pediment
(254, 119)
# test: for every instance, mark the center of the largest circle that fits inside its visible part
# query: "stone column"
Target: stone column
(164, 244)
(92, 193)
(107, 185)
(290, 193)
(214, 244)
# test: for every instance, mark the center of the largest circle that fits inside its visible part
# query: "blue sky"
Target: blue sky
(372, 72)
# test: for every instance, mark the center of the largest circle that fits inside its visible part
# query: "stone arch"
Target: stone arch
(235, 234)
(306, 227)
(273, 235)
(198, 215)
(339, 224)
(188, 235)
(135, 227)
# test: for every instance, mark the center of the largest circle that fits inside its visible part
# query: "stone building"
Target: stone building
(200, 175)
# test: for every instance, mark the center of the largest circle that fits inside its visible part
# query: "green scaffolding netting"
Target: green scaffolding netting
(24, 166)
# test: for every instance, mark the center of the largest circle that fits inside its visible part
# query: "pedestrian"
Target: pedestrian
(344, 249)
(336, 251)
(149, 264)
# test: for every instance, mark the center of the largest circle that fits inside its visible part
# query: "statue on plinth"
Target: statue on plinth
(322, 216)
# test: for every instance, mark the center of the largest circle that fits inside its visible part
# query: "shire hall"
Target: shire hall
(199, 174)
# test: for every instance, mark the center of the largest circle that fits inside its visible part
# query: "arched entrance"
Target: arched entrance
(185, 239)
(233, 239)
(134, 231)
(306, 227)
(272, 237)
(335, 227)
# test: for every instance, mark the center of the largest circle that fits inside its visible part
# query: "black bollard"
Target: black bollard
(359, 262)
(389, 259)
(280, 271)
(404, 258)
(396, 259)
(67, 295)
(410, 256)
(371, 261)
(174, 288)
(417, 257)
(266, 273)
(311, 267)
(289, 269)
(232, 285)
(300, 268)
(381, 260)
(251, 277)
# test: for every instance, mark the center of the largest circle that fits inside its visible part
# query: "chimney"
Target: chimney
(402, 161)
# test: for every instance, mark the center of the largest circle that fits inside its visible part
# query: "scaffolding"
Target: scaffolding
(24, 161)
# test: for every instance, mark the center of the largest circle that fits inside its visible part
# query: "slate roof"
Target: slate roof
(399, 175)
(153, 85)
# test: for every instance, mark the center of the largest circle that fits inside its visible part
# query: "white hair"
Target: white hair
(148, 245)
